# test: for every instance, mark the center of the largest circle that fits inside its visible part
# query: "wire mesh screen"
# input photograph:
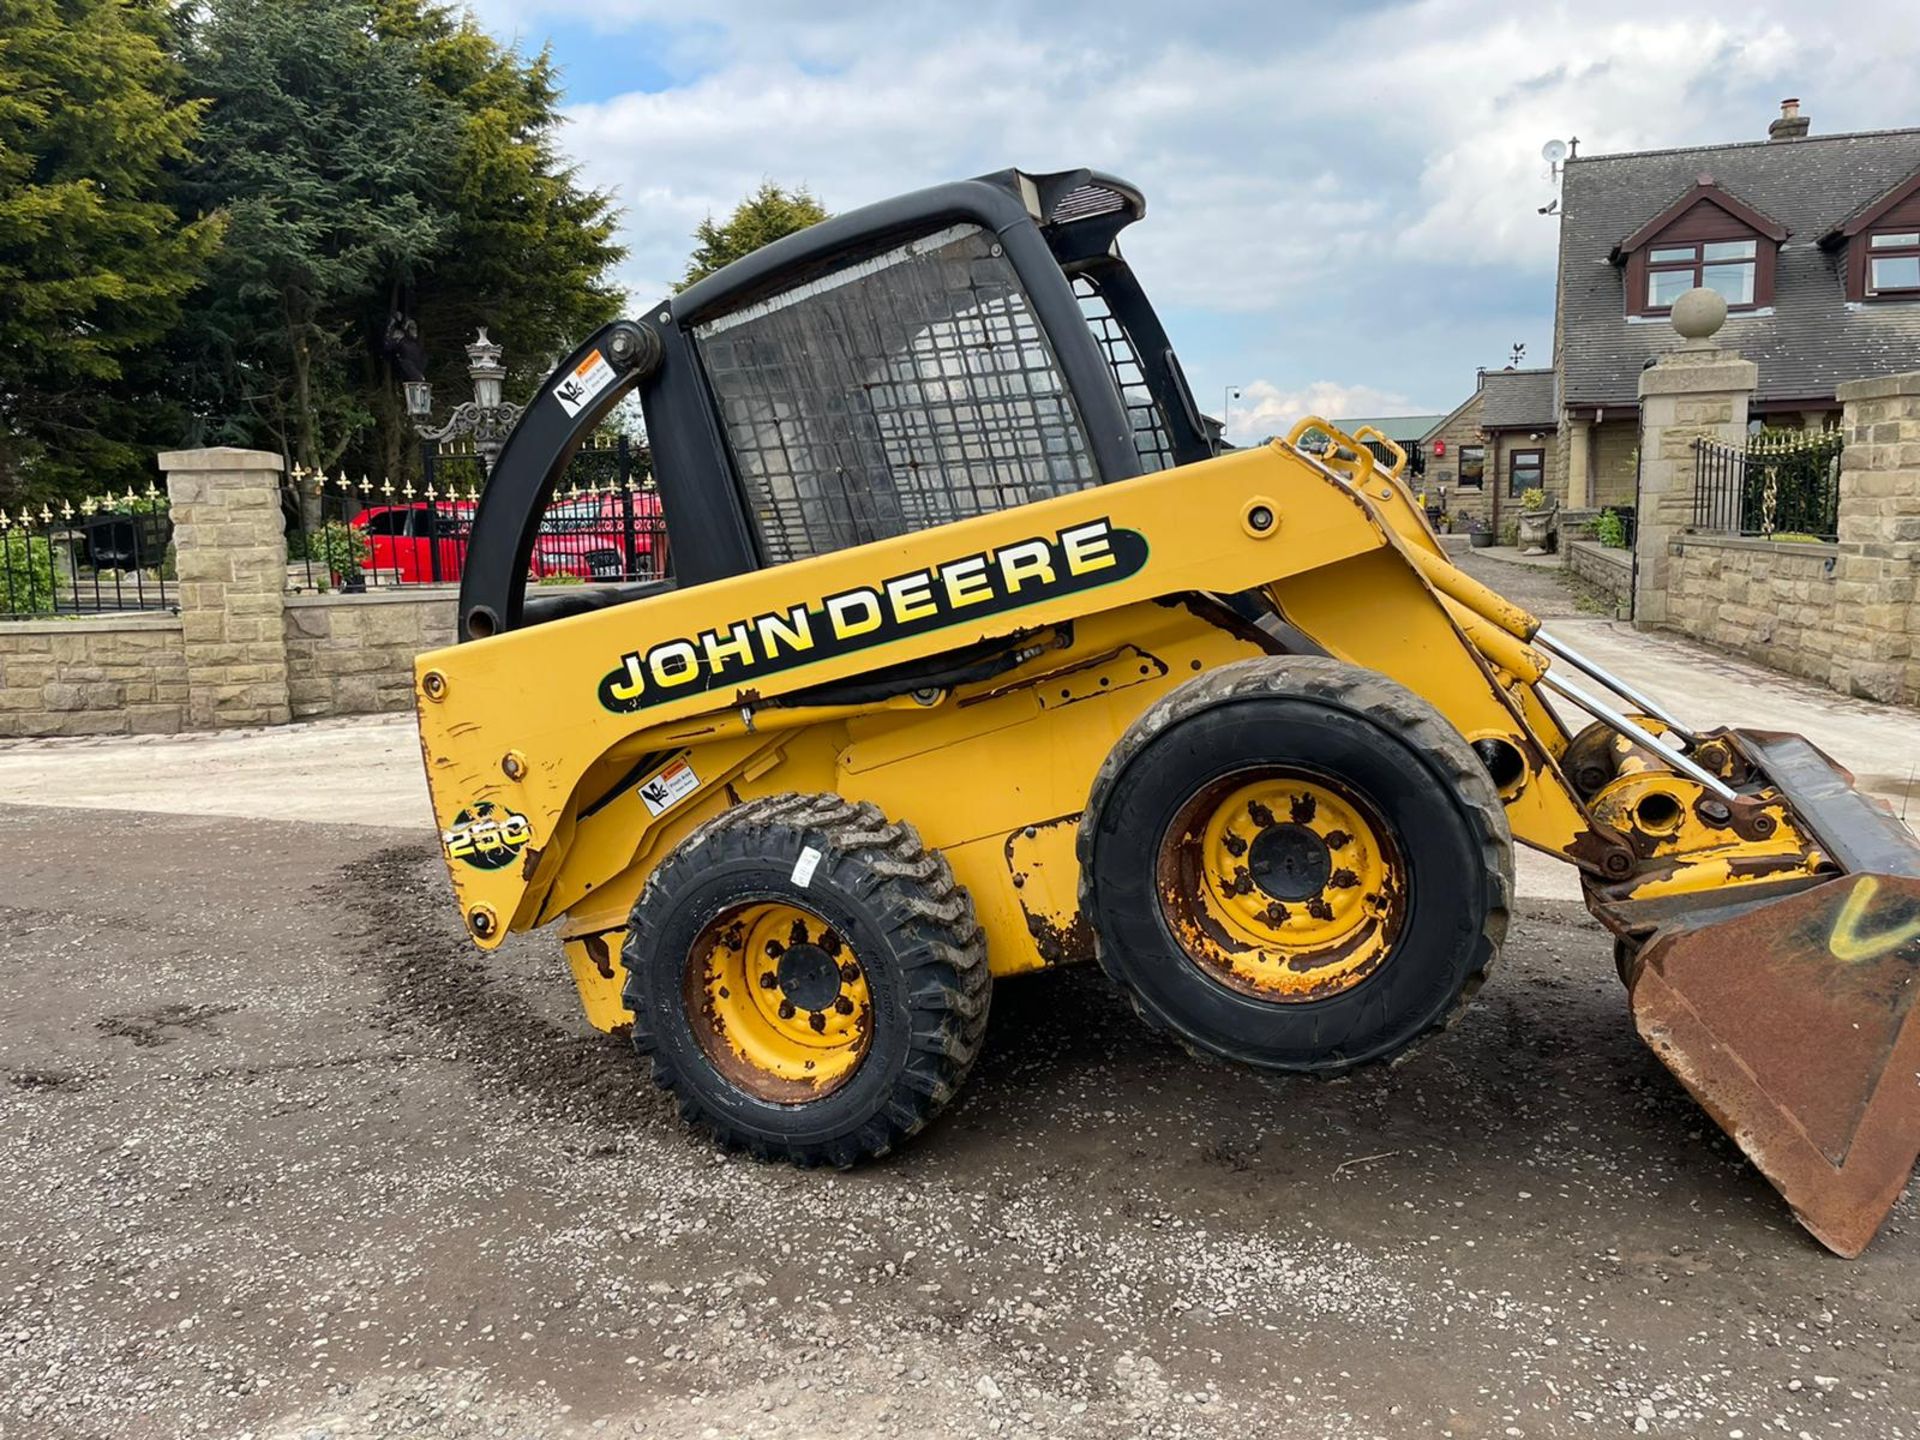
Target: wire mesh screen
(908, 390)
(1150, 437)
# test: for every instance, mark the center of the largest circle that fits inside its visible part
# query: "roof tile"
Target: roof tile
(1810, 340)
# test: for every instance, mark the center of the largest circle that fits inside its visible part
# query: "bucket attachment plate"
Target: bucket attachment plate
(1794, 1024)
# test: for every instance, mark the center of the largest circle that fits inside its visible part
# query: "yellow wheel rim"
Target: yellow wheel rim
(1282, 884)
(778, 1001)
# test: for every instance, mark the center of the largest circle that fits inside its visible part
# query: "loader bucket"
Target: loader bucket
(1792, 1020)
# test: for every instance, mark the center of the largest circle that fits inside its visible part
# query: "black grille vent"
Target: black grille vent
(1086, 202)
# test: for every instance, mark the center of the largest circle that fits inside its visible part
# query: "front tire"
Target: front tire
(807, 979)
(1296, 864)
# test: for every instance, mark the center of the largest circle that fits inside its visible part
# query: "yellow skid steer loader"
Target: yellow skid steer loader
(978, 658)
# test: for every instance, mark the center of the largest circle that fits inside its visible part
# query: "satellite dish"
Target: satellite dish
(1554, 151)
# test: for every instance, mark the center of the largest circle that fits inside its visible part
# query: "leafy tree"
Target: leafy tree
(528, 249)
(763, 217)
(395, 183)
(94, 261)
(322, 146)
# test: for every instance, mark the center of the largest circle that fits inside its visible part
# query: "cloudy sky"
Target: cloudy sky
(1342, 198)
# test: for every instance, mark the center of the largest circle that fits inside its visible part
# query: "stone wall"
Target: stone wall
(128, 674)
(353, 654)
(1461, 428)
(1769, 600)
(231, 545)
(1610, 572)
(121, 675)
(1876, 639)
(1613, 456)
(241, 651)
(1845, 614)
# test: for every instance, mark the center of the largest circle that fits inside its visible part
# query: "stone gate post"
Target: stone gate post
(231, 552)
(1696, 392)
(1876, 630)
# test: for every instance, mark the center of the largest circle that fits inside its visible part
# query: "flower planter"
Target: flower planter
(1536, 528)
(1480, 539)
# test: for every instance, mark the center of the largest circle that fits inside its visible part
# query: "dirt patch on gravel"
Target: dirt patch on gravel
(399, 1188)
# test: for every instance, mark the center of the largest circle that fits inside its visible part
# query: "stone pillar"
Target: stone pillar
(1876, 628)
(1698, 392)
(1579, 463)
(231, 550)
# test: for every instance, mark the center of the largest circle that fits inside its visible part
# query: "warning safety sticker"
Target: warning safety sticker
(589, 378)
(667, 789)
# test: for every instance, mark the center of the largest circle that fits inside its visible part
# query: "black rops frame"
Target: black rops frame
(699, 491)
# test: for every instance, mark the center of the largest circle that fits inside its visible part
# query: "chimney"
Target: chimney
(1791, 125)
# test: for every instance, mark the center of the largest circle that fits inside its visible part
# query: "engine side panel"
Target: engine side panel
(1041, 732)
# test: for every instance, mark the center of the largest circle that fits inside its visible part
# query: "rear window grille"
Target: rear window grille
(1150, 438)
(911, 389)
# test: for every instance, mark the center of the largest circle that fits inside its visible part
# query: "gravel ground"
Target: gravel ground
(286, 1158)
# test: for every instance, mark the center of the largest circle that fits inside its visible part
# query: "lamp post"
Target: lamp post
(486, 419)
(1227, 397)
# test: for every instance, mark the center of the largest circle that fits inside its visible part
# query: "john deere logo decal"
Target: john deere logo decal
(960, 591)
(486, 836)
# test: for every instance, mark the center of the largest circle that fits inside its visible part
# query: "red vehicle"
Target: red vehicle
(589, 536)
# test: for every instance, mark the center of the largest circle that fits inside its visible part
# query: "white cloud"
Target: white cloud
(1415, 129)
(1316, 174)
(1264, 408)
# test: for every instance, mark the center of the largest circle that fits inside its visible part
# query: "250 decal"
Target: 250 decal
(486, 836)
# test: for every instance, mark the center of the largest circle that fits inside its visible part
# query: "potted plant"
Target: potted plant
(1479, 533)
(342, 550)
(1536, 522)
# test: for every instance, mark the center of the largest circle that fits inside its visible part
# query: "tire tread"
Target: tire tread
(910, 892)
(1366, 694)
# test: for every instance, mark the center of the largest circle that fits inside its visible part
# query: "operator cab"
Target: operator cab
(948, 353)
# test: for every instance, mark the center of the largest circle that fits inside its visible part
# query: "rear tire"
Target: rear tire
(807, 978)
(1297, 864)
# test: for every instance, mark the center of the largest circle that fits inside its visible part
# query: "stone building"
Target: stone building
(1814, 241)
(1495, 445)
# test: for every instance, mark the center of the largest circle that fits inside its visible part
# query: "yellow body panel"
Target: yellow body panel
(600, 741)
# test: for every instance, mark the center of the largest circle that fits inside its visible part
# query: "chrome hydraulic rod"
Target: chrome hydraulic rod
(1600, 710)
(1639, 699)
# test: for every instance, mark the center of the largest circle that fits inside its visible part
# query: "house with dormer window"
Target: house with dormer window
(1814, 241)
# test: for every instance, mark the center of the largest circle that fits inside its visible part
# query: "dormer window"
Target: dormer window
(1882, 245)
(1709, 239)
(1893, 264)
(1727, 266)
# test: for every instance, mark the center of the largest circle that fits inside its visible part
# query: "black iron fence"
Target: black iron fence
(106, 554)
(603, 523)
(1416, 455)
(1617, 527)
(1777, 486)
